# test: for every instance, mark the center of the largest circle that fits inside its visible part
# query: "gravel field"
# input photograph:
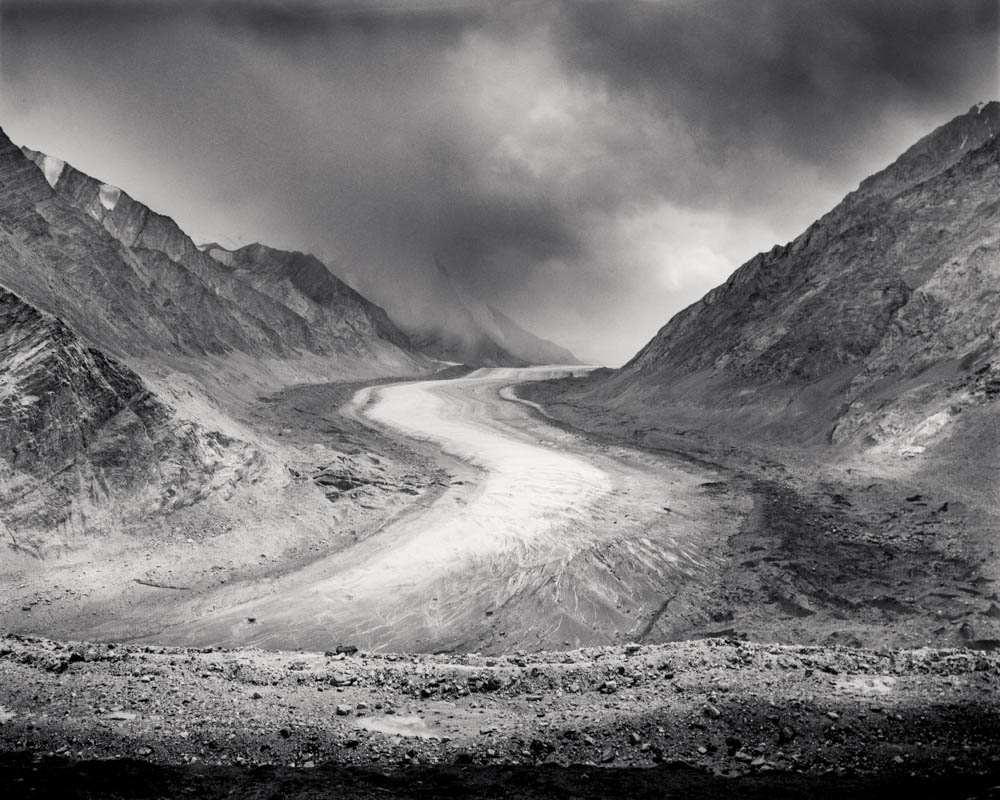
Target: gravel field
(679, 714)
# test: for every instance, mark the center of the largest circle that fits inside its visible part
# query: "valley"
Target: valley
(264, 534)
(653, 614)
(533, 537)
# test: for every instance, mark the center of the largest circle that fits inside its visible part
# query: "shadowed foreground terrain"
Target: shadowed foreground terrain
(138, 779)
(703, 718)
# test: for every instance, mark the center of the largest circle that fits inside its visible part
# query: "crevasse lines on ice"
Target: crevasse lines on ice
(529, 493)
(548, 540)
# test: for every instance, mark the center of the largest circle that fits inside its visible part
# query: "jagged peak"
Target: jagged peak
(313, 275)
(260, 247)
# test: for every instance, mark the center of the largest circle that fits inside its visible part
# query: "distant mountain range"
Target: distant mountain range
(523, 344)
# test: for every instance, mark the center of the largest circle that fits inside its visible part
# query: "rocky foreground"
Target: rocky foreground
(705, 718)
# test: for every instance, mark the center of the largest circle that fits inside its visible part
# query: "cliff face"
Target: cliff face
(85, 446)
(879, 317)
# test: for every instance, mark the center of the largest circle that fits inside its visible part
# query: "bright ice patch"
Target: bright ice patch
(222, 256)
(53, 168)
(109, 196)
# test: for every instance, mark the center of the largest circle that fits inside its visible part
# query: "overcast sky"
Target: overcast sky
(588, 167)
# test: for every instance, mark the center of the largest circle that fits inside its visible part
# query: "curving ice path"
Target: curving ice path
(547, 541)
(527, 492)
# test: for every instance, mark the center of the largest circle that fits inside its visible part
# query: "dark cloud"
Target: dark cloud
(305, 19)
(590, 167)
(810, 77)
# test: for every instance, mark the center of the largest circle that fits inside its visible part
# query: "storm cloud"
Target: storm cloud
(589, 167)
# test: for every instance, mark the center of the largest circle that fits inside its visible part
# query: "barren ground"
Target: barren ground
(837, 548)
(704, 718)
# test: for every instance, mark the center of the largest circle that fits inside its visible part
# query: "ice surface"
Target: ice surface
(52, 168)
(542, 528)
(533, 489)
(109, 196)
(222, 256)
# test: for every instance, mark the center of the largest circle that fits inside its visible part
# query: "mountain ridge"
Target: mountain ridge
(150, 289)
(795, 341)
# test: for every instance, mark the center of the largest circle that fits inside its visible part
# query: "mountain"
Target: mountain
(304, 284)
(524, 344)
(133, 283)
(877, 327)
(464, 330)
(462, 341)
(131, 362)
(84, 444)
(445, 329)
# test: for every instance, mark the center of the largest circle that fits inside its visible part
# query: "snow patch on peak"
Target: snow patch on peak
(52, 168)
(109, 196)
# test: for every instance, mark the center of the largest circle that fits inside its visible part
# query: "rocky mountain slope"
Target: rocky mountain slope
(700, 719)
(876, 327)
(131, 365)
(84, 445)
(134, 283)
(849, 380)
(301, 282)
